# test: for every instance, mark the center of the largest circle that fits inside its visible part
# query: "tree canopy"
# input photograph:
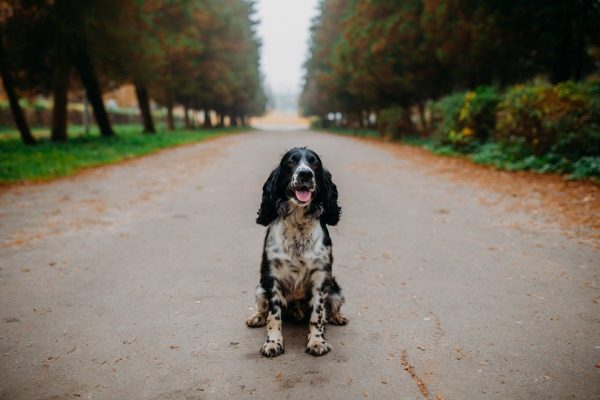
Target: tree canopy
(200, 54)
(368, 55)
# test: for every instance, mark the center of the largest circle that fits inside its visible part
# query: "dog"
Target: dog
(299, 200)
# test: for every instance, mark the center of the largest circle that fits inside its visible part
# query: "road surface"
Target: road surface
(133, 281)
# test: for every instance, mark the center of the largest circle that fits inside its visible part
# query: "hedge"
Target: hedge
(537, 126)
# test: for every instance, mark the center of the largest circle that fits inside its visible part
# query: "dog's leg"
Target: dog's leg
(259, 318)
(317, 345)
(274, 344)
(335, 300)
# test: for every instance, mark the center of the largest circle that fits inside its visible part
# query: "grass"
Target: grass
(47, 160)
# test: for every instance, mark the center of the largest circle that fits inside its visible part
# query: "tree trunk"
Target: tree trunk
(194, 118)
(170, 119)
(423, 119)
(60, 87)
(186, 116)
(13, 99)
(89, 80)
(86, 116)
(233, 120)
(221, 123)
(207, 120)
(142, 96)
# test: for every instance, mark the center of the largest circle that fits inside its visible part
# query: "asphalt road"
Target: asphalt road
(134, 281)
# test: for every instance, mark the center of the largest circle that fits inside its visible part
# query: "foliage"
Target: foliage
(465, 119)
(50, 160)
(201, 54)
(366, 56)
(515, 158)
(586, 166)
(394, 122)
(563, 119)
(536, 126)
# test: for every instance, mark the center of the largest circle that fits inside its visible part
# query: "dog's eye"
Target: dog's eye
(292, 162)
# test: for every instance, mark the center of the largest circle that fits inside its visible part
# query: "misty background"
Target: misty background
(284, 30)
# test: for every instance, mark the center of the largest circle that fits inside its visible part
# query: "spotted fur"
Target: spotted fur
(296, 269)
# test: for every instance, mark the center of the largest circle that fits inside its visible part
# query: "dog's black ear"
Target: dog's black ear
(331, 210)
(268, 206)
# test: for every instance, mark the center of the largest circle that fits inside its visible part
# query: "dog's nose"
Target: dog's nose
(305, 175)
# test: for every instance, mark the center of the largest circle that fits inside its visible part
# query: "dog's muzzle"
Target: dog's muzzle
(303, 185)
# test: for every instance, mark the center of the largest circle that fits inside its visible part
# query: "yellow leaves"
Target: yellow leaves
(466, 131)
(465, 111)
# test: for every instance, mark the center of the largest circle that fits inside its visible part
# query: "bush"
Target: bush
(394, 122)
(562, 119)
(466, 119)
(586, 166)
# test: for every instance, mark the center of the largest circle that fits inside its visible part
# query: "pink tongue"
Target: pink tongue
(303, 195)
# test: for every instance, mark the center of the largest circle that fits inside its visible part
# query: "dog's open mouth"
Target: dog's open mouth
(303, 193)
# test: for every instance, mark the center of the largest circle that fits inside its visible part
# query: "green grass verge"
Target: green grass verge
(47, 160)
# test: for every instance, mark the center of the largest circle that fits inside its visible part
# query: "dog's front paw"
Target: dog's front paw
(256, 321)
(317, 347)
(272, 348)
(338, 319)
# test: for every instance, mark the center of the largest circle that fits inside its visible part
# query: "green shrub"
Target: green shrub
(586, 166)
(444, 117)
(394, 122)
(464, 120)
(562, 119)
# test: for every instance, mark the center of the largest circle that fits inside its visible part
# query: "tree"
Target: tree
(13, 98)
(369, 55)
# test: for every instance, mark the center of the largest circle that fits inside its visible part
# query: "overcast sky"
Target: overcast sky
(284, 29)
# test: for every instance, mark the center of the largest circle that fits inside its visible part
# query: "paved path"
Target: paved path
(133, 282)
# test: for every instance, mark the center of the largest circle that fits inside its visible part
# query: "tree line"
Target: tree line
(366, 56)
(198, 54)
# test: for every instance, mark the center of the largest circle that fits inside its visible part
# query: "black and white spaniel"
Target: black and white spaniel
(299, 200)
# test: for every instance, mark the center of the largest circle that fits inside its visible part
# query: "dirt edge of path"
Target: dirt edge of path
(573, 205)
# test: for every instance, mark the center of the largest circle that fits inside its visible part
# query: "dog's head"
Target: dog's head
(299, 181)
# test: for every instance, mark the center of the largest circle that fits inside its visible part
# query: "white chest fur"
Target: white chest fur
(295, 249)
